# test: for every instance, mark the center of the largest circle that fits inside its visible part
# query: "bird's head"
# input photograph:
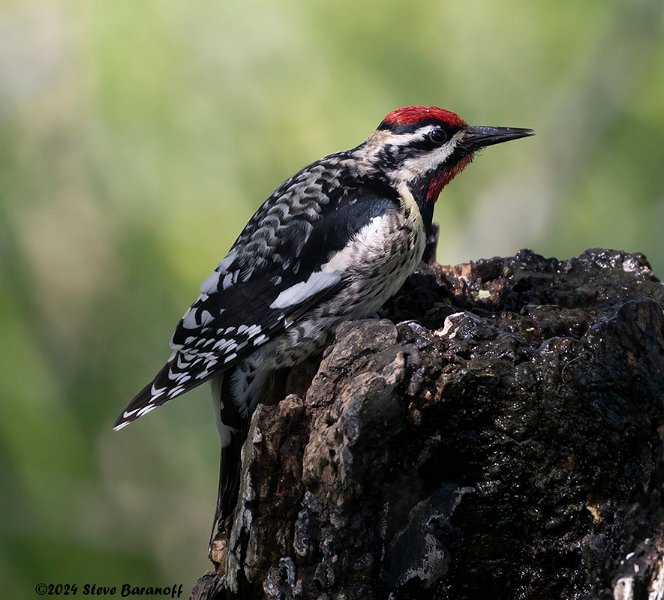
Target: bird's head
(424, 147)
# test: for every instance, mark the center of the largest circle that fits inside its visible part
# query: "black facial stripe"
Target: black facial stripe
(419, 146)
(456, 156)
(395, 153)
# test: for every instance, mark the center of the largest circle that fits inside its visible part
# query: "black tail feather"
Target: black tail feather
(233, 432)
(230, 469)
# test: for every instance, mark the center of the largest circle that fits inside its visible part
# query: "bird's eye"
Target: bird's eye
(438, 136)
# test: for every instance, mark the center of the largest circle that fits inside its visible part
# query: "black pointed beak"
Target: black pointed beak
(478, 136)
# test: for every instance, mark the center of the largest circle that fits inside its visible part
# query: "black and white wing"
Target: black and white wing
(274, 273)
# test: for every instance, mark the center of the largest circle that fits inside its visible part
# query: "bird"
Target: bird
(333, 243)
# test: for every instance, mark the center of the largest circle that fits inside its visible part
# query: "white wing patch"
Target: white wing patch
(300, 292)
(370, 238)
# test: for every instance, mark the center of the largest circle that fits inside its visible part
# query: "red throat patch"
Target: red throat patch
(409, 115)
(439, 181)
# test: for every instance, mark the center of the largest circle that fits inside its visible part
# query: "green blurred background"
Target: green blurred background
(138, 136)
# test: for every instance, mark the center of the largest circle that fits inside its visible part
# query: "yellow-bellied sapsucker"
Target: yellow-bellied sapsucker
(333, 243)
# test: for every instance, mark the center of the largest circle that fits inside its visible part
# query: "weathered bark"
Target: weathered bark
(505, 441)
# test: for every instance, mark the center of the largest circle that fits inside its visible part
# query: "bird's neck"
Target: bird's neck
(424, 205)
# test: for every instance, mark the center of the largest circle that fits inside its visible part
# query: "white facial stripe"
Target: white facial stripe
(403, 139)
(415, 167)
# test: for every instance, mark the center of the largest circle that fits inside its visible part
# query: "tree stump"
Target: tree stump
(498, 434)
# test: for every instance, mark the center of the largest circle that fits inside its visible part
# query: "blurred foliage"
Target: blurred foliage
(136, 139)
